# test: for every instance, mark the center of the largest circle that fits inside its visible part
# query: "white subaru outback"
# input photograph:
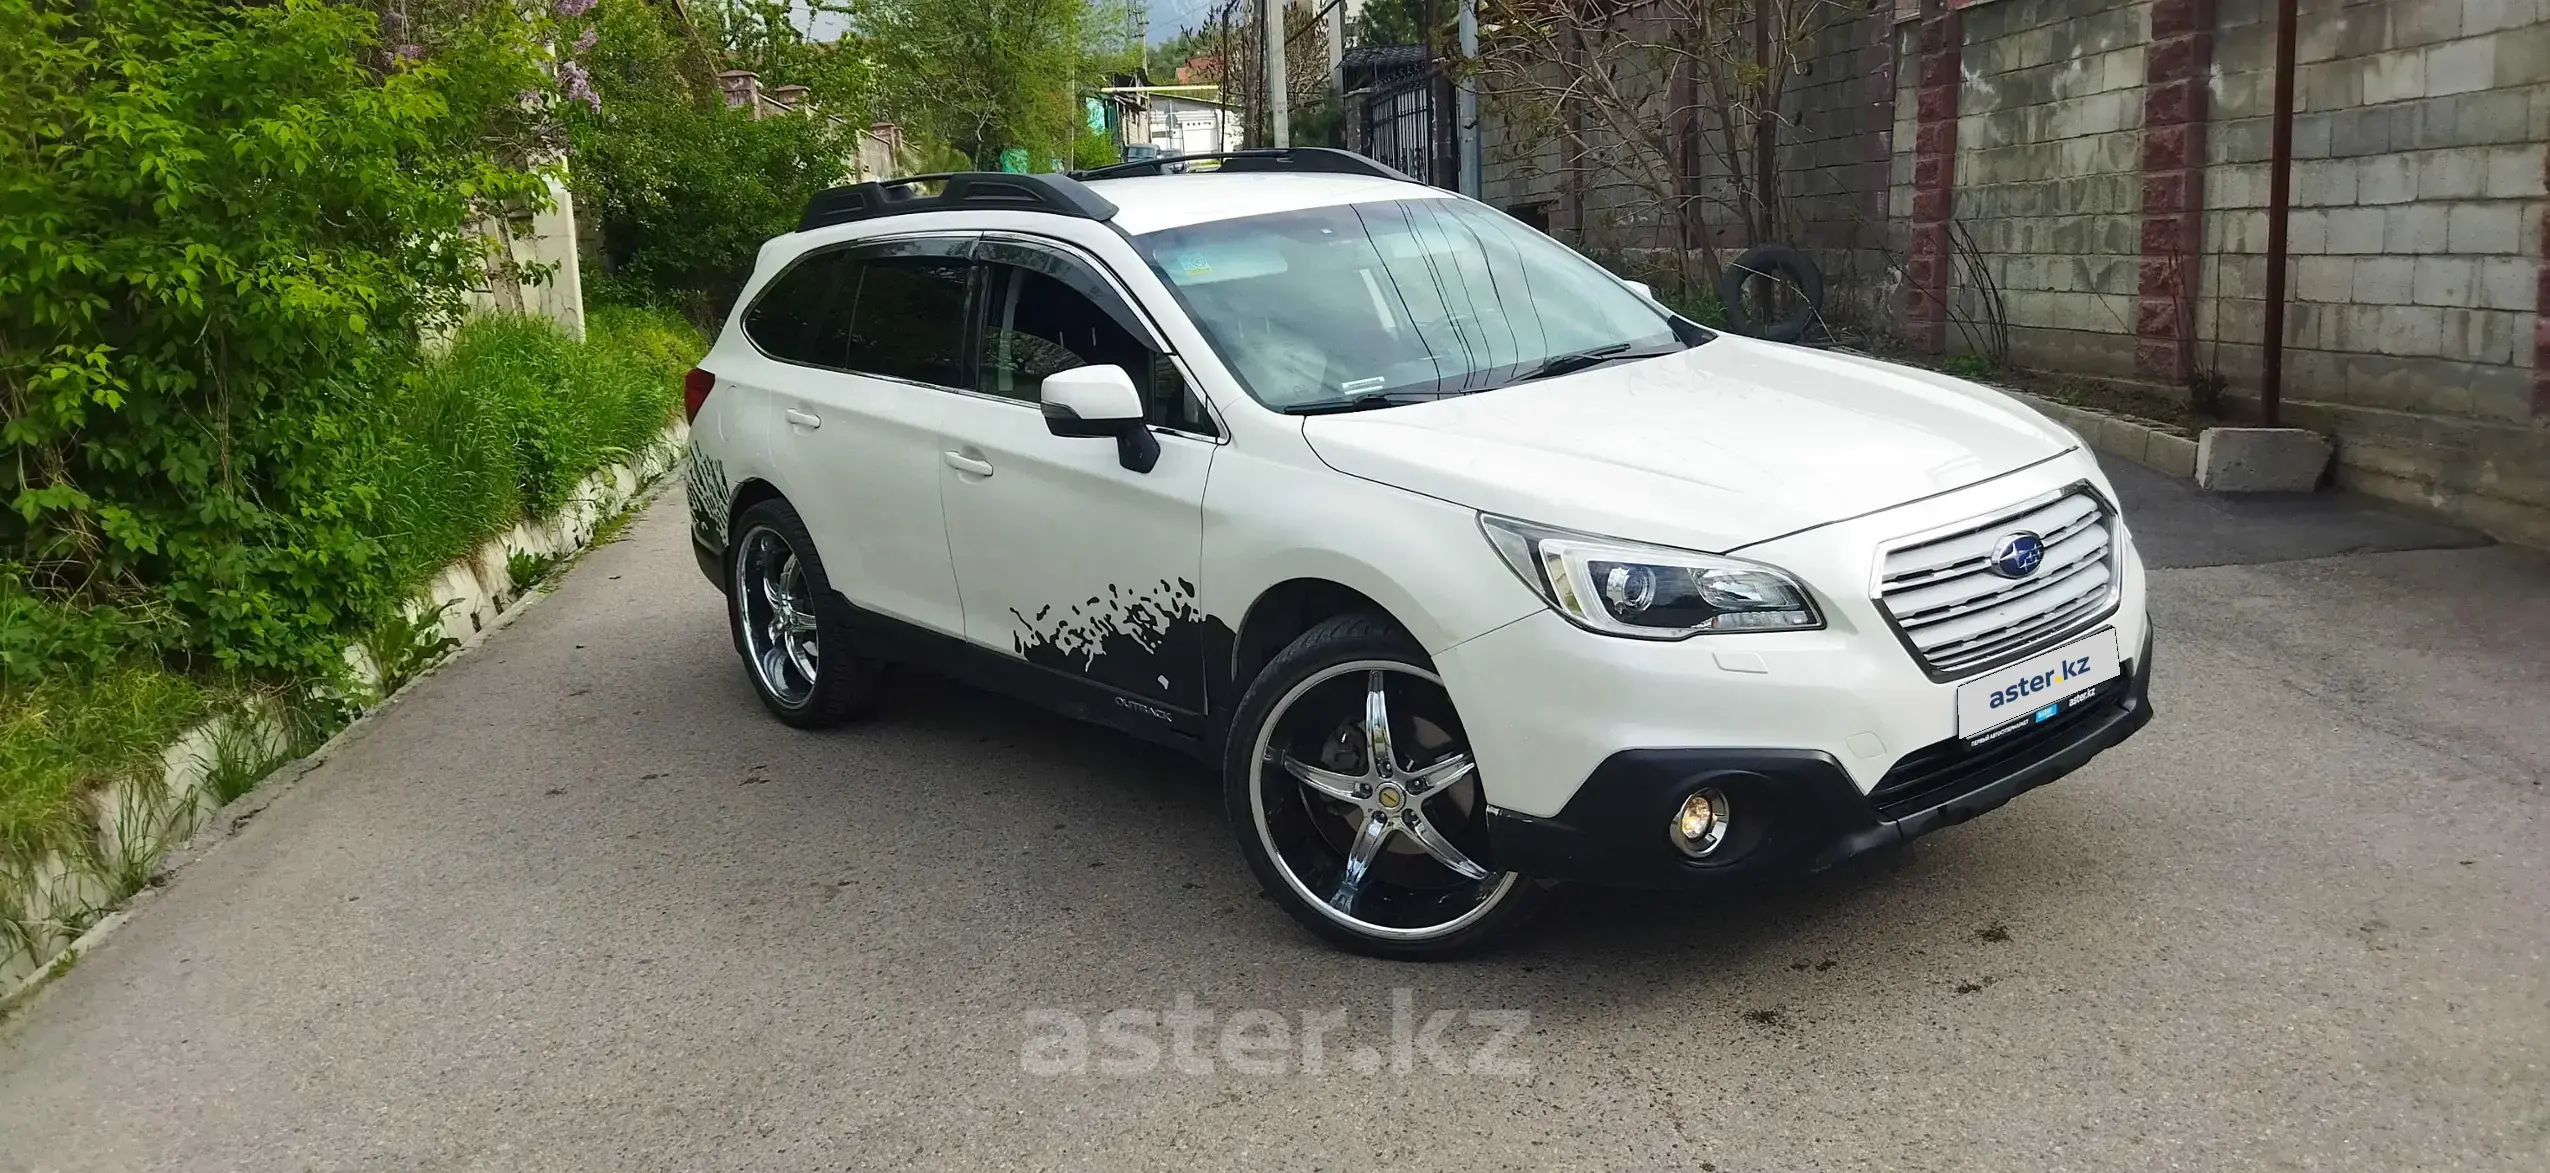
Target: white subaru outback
(1471, 566)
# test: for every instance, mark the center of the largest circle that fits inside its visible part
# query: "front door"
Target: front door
(1064, 557)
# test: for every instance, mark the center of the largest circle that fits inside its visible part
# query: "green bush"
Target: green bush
(222, 228)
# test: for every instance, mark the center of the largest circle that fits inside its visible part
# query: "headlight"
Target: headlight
(1649, 592)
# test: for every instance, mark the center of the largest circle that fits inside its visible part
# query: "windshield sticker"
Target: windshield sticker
(1353, 385)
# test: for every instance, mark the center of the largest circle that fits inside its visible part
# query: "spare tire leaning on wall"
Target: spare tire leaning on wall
(1784, 266)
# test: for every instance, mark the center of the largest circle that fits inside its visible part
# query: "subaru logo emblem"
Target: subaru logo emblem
(2017, 555)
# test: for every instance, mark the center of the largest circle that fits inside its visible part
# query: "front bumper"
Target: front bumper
(1796, 810)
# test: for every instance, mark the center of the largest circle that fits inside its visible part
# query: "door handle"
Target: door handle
(804, 419)
(969, 464)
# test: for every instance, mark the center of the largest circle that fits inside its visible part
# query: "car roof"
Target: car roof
(1154, 202)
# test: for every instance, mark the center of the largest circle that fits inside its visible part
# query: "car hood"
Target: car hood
(1723, 445)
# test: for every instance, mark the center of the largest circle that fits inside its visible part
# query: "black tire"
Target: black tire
(1269, 806)
(1781, 264)
(844, 684)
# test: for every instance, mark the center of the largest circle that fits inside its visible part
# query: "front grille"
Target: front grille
(1941, 772)
(1959, 615)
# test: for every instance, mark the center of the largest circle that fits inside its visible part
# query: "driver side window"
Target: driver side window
(1034, 325)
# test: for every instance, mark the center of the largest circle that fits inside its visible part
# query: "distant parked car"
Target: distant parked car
(1470, 565)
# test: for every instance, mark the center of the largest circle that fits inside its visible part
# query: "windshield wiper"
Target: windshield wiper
(1368, 401)
(1577, 360)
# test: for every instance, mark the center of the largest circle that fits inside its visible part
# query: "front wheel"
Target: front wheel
(1357, 802)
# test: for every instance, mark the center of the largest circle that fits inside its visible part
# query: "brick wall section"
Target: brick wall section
(2175, 66)
(1931, 262)
(2049, 176)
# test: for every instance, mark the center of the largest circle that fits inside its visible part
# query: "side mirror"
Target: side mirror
(1096, 401)
(1642, 289)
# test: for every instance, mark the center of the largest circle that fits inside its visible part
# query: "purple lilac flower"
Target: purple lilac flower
(407, 52)
(592, 33)
(579, 85)
(573, 7)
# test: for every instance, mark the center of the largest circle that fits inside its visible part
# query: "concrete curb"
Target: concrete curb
(478, 599)
(2154, 446)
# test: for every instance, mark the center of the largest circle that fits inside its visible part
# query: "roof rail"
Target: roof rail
(1326, 160)
(974, 190)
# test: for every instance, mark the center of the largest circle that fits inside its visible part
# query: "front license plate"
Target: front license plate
(2038, 688)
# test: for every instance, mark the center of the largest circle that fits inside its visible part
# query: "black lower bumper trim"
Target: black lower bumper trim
(1791, 810)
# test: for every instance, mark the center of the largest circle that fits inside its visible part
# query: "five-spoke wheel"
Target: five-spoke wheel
(1361, 799)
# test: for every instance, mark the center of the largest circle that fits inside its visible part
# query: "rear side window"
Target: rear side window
(804, 317)
(909, 319)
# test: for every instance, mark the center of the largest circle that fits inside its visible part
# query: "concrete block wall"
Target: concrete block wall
(2417, 184)
(2048, 180)
(2417, 289)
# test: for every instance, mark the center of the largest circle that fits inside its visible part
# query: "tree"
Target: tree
(1392, 22)
(1638, 98)
(684, 189)
(988, 75)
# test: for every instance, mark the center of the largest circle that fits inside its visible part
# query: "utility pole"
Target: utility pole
(1337, 67)
(1279, 104)
(1466, 106)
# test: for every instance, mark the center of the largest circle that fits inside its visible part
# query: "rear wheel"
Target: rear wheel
(788, 626)
(1357, 802)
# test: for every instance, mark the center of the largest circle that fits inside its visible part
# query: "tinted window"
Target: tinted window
(1036, 326)
(909, 320)
(804, 316)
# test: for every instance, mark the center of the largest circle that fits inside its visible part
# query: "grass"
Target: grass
(65, 737)
(504, 423)
(498, 428)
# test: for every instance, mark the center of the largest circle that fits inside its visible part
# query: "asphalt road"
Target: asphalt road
(575, 903)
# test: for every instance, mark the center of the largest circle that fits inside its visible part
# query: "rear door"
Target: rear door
(874, 338)
(1064, 557)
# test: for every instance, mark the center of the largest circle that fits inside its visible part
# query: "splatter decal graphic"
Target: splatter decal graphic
(704, 483)
(1149, 643)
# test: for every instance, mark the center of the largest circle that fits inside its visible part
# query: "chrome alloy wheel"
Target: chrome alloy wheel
(1385, 848)
(781, 637)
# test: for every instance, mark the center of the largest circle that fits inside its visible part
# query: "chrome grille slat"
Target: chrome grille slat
(1975, 545)
(2059, 595)
(1965, 592)
(1955, 613)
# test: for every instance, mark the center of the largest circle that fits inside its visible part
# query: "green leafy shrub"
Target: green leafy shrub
(222, 228)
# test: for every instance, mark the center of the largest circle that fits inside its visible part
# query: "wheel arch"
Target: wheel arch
(718, 563)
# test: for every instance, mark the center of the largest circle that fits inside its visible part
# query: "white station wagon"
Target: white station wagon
(1469, 565)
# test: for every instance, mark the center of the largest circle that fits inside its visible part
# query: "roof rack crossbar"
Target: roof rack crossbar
(1325, 160)
(1060, 195)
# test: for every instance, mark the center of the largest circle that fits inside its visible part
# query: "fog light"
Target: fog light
(1701, 825)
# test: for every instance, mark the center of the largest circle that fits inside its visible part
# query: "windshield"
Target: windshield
(1408, 298)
